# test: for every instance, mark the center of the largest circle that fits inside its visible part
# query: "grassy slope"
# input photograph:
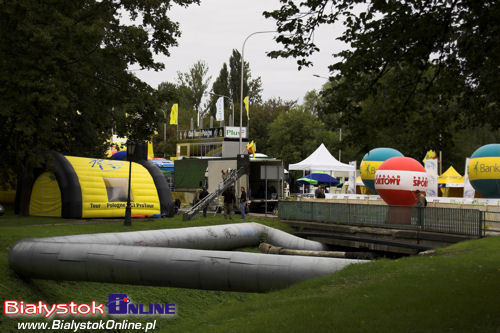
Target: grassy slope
(189, 303)
(458, 289)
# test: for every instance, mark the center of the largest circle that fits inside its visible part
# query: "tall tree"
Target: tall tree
(386, 117)
(235, 76)
(167, 95)
(422, 69)
(220, 88)
(64, 76)
(262, 117)
(228, 83)
(197, 82)
(251, 87)
(295, 134)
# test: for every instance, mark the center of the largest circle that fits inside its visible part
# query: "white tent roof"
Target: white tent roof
(322, 160)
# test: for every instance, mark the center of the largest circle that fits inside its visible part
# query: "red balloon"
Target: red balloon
(397, 179)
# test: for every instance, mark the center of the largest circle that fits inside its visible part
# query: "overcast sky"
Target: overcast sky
(212, 30)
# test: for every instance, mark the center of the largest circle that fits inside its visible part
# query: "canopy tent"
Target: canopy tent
(451, 178)
(451, 183)
(321, 160)
(318, 177)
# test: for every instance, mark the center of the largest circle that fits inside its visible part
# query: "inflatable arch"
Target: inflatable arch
(78, 187)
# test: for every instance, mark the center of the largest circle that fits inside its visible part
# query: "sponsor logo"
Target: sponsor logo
(118, 304)
(387, 180)
(106, 165)
(420, 181)
(484, 168)
(42, 309)
(121, 304)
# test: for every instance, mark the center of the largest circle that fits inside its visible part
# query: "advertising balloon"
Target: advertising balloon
(370, 163)
(484, 170)
(397, 179)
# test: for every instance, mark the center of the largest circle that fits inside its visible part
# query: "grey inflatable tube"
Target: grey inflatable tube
(172, 257)
(218, 237)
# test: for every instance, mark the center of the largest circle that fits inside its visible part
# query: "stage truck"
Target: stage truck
(264, 180)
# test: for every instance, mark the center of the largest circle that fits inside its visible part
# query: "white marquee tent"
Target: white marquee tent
(321, 160)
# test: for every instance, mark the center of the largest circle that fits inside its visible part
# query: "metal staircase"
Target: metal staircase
(230, 179)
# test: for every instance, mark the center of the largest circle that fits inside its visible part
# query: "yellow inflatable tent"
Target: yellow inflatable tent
(451, 183)
(89, 188)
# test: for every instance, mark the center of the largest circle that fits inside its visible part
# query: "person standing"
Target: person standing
(421, 200)
(243, 202)
(319, 193)
(229, 201)
(421, 203)
(203, 194)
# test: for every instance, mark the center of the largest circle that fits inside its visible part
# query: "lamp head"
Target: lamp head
(130, 148)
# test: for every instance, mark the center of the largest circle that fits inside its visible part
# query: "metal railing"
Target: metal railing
(469, 222)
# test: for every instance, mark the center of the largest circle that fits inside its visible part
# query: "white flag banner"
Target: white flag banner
(431, 166)
(351, 189)
(469, 191)
(219, 114)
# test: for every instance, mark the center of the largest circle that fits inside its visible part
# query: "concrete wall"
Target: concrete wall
(231, 148)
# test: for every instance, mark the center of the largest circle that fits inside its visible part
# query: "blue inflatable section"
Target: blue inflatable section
(491, 150)
(119, 155)
(381, 154)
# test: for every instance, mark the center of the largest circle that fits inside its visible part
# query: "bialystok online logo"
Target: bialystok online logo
(121, 304)
(118, 304)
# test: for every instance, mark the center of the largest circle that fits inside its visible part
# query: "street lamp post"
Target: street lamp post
(164, 130)
(241, 86)
(340, 128)
(321, 77)
(340, 140)
(128, 208)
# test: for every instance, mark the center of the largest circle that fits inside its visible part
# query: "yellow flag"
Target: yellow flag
(245, 101)
(430, 155)
(251, 148)
(151, 153)
(174, 114)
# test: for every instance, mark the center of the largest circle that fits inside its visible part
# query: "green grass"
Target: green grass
(455, 290)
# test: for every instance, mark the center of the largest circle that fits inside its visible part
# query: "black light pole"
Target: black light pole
(128, 209)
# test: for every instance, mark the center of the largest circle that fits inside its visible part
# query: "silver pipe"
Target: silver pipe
(270, 249)
(171, 257)
(180, 268)
(218, 237)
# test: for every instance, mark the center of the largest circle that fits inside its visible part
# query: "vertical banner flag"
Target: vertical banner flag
(174, 113)
(245, 100)
(469, 191)
(431, 166)
(219, 114)
(351, 188)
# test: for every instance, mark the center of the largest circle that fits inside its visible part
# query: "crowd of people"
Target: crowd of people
(230, 199)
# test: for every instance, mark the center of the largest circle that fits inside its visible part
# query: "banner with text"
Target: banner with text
(219, 114)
